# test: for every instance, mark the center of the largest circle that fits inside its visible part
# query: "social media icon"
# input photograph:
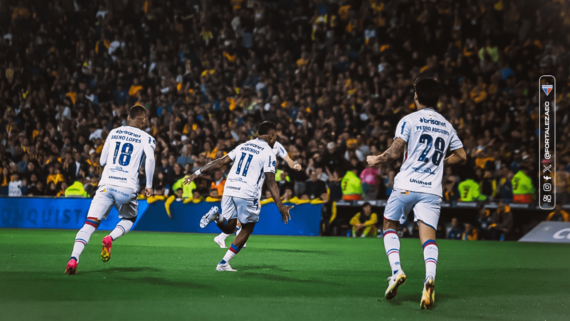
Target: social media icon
(546, 168)
(547, 187)
(547, 198)
(546, 178)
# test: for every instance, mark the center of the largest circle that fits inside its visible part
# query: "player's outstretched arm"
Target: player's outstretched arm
(394, 152)
(292, 164)
(213, 165)
(458, 156)
(274, 191)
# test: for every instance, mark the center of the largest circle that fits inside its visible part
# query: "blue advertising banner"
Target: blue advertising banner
(70, 213)
(52, 213)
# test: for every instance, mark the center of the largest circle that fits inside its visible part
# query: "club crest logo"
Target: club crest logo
(547, 89)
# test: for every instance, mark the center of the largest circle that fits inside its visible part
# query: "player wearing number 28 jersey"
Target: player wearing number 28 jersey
(424, 137)
(126, 149)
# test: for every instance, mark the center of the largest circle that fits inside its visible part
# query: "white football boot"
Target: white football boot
(394, 282)
(220, 241)
(212, 215)
(225, 268)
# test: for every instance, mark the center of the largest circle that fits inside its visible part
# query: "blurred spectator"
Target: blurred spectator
(470, 234)
(23, 164)
(450, 192)
(76, 190)
(15, 186)
(469, 191)
(364, 222)
(36, 190)
(186, 157)
(314, 187)
(456, 230)
(370, 182)
(523, 189)
(328, 216)
(218, 183)
(558, 215)
(501, 223)
(351, 186)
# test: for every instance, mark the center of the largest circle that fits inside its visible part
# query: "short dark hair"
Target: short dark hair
(428, 90)
(136, 111)
(265, 127)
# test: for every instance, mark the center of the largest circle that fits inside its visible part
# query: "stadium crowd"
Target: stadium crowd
(334, 75)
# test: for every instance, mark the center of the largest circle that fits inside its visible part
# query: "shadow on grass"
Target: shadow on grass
(297, 251)
(124, 270)
(414, 298)
(172, 283)
(274, 277)
(263, 267)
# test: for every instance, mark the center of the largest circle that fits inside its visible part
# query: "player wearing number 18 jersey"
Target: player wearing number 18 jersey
(428, 136)
(124, 152)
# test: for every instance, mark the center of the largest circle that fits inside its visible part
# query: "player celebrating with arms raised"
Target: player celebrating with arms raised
(123, 154)
(253, 162)
(428, 135)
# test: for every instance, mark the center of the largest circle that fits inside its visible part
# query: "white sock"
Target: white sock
(232, 251)
(392, 247)
(81, 239)
(121, 229)
(223, 236)
(431, 254)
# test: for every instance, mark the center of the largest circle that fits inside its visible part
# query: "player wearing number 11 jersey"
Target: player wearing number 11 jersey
(253, 163)
(126, 149)
(428, 136)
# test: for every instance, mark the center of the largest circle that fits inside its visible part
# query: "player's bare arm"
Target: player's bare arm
(274, 190)
(459, 156)
(294, 165)
(394, 152)
(211, 166)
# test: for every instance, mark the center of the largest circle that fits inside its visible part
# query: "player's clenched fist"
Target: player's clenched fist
(188, 179)
(372, 160)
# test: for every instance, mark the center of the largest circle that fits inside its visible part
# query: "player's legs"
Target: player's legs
(238, 230)
(220, 239)
(398, 206)
(248, 214)
(98, 210)
(427, 213)
(431, 254)
(127, 203)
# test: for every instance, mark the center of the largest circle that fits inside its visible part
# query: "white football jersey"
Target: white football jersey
(429, 136)
(279, 150)
(251, 161)
(124, 152)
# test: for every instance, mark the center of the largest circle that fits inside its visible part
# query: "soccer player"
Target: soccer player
(253, 162)
(280, 153)
(124, 152)
(428, 136)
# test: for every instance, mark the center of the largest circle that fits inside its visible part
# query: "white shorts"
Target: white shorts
(122, 198)
(245, 210)
(427, 207)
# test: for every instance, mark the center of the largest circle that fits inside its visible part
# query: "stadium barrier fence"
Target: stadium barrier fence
(70, 213)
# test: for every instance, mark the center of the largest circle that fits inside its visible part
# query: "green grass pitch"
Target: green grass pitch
(171, 276)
